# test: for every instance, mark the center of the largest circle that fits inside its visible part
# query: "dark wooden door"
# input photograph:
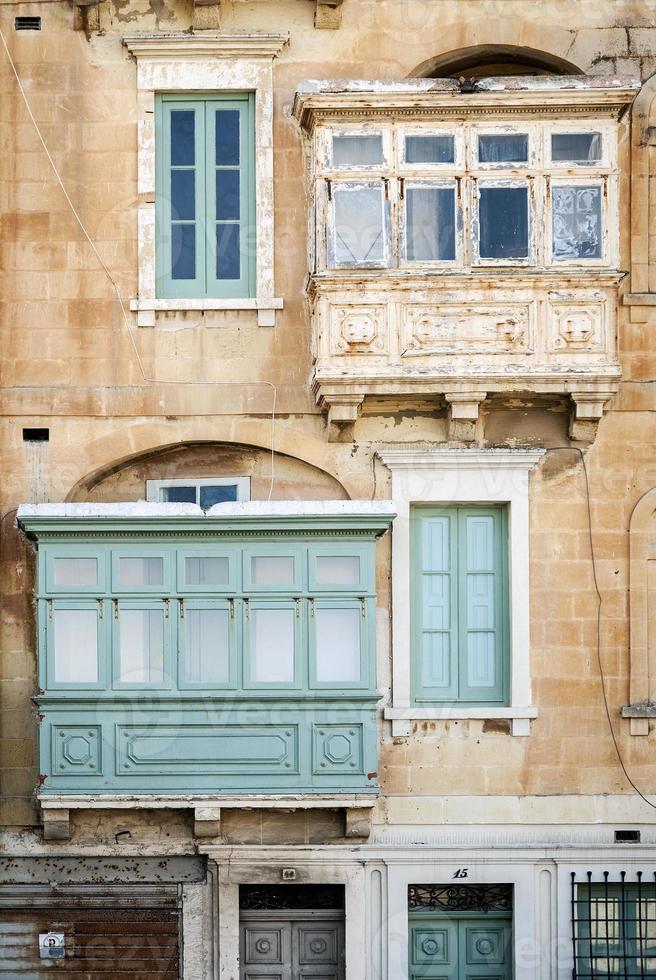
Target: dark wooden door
(299, 945)
(121, 943)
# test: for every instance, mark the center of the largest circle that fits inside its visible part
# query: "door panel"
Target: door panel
(460, 948)
(281, 948)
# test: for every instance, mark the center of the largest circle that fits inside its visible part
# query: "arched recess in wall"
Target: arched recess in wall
(642, 598)
(485, 60)
(643, 188)
(125, 480)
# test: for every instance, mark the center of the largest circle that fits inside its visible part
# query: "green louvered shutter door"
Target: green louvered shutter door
(482, 627)
(435, 592)
(460, 605)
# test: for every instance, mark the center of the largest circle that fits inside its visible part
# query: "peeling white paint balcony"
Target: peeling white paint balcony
(466, 243)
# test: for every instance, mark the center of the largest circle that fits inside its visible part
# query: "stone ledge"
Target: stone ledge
(402, 718)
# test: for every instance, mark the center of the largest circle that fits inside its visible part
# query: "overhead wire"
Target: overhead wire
(599, 605)
(117, 291)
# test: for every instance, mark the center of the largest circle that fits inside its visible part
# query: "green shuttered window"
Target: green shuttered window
(205, 196)
(459, 591)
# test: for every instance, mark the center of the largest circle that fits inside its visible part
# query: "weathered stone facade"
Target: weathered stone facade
(131, 391)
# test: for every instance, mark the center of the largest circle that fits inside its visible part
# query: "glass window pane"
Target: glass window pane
(183, 195)
(141, 646)
(227, 137)
(359, 225)
(503, 218)
(429, 149)
(338, 645)
(183, 251)
(430, 224)
(75, 571)
(503, 148)
(221, 494)
(576, 222)
(75, 646)
(272, 650)
(182, 138)
(207, 571)
(228, 259)
(141, 571)
(272, 570)
(227, 195)
(576, 147)
(337, 570)
(357, 151)
(207, 656)
(177, 495)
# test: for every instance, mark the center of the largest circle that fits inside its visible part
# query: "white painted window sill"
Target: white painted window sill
(147, 309)
(402, 718)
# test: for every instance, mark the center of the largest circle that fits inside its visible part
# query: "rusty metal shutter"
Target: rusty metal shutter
(134, 938)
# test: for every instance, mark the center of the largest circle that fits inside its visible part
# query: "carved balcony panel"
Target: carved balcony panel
(464, 244)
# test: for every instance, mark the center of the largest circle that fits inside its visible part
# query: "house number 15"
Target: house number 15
(461, 873)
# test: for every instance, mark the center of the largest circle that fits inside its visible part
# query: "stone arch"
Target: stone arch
(480, 60)
(643, 188)
(642, 598)
(125, 479)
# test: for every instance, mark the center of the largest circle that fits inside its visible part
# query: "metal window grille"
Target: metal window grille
(283, 897)
(614, 927)
(461, 898)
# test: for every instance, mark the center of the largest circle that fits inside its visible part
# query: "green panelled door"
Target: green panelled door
(464, 947)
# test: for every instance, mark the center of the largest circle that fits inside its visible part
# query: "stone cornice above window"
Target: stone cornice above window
(540, 95)
(183, 45)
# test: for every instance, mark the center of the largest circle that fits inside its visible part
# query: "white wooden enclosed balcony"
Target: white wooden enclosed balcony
(465, 242)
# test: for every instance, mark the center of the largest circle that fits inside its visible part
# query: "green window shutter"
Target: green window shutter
(205, 196)
(460, 605)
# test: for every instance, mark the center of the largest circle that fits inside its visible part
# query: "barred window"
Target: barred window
(614, 927)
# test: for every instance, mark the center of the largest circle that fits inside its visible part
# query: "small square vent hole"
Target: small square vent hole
(27, 23)
(627, 836)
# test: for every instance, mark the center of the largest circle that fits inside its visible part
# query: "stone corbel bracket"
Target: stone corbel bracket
(586, 413)
(464, 411)
(81, 11)
(328, 14)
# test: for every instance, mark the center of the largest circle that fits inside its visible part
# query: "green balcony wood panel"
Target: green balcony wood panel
(185, 690)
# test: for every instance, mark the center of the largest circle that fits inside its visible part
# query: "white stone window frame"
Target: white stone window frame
(243, 484)
(450, 477)
(537, 174)
(203, 64)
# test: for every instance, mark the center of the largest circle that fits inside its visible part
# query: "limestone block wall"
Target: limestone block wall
(68, 364)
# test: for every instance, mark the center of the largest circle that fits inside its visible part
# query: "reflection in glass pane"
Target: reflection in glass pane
(207, 645)
(429, 149)
(338, 645)
(141, 646)
(272, 649)
(503, 220)
(576, 222)
(177, 495)
(75, 646)
(576, 147)
(228, 259)
(182, 138)
(141, 571)
(430, 224)
(503, 148)
(359, 224)
(75, 571)
(227, 137)
(272, 570)
(220, 494)
(183, 251)
(357, 151)
(337, 570)
(207, 571)
(227, 195)
(183, 195)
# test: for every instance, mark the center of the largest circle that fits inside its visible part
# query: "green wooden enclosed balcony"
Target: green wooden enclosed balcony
(209, 654)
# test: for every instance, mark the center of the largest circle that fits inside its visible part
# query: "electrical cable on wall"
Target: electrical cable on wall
(114, 284)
